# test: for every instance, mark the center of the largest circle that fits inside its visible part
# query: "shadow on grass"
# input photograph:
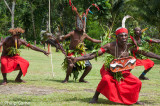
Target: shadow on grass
(11, 81)
(18, 99)
(148, 102)
(70, 81)
(100, 101)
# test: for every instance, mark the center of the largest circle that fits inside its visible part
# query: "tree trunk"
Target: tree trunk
(13, 7)
(11, 11)
(33, 23)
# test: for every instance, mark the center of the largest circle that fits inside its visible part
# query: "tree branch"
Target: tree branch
(8, 6)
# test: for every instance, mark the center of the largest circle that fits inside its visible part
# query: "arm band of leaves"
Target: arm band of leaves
(103, 50)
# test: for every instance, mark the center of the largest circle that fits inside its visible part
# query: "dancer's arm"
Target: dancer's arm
(149, 54)
(89, 56)
(92, 40)
(2, 42)
(65, 36)
(153, 41)
(33, 47)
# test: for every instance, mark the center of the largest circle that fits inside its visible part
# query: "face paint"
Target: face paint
(79, 23)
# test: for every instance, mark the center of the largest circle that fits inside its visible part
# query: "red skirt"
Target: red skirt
(9, 64)
(126, 91)
(147, 63)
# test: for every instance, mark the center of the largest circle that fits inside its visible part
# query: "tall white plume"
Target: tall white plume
(124, 20)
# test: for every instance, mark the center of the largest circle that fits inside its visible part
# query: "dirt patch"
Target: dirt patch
(89, 90)
(34, 90)
(28, 90)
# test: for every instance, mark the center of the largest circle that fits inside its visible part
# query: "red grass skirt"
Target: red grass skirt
(126, 91)
(9, 64)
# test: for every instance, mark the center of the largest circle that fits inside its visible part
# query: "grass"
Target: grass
(72, 93)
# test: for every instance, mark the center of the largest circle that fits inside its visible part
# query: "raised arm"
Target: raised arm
(92, 40)
(90, 55)
(153, 41)
(149, 54)
(66, 36)
(2, 42)
(33, 47)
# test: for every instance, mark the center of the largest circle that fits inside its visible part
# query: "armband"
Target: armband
(28, 45)
(150, 40)
(103, 50)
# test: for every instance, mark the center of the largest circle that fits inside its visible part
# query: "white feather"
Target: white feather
(124, 20)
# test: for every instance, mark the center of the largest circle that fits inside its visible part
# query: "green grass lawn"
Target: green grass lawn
(44, 89)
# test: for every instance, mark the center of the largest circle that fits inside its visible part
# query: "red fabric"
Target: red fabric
(70, 3)
(133, 40)
(74, 8)
(96, 6)
(9, 64)
(147, 63)
(136, 46)
(125, 91)
(103, 50)
(28, 45)
(134, 52)
(71, 54)
(121, 30)
(150, 42)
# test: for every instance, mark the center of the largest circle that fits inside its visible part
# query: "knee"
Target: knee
(89, 67)
(71, 65)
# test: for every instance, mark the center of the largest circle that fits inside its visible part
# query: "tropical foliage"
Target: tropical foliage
(32, 15)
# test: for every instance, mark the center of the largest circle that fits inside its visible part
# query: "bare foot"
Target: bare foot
(4, 83)
(20, 80)
(65, 81)
(94, 100)
(139, 103)
(83, 81)
(143, 78)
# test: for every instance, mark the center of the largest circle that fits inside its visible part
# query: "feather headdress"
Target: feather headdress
(15, 31)
(81, 19)
(123, 29)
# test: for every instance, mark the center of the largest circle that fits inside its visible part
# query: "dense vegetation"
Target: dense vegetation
(32, 15)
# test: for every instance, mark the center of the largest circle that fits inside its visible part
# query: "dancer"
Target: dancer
(10, 58)
(120, 87)
(77, 47)
(142, 60)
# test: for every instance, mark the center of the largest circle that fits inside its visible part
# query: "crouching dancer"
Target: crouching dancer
(117, 83)
(10, 59)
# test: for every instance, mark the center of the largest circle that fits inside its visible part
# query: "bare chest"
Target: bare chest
(119, 52)
(11, 43)
(77, 38)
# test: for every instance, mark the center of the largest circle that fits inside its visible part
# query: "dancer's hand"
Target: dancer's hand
(72, 59)
(46, 53)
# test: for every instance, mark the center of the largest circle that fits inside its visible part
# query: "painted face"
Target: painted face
(18, 36)
(122, 38)
(137, 31)
(79, 24)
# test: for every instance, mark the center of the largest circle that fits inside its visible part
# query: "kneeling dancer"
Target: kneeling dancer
(120, 87)
(10, 59)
